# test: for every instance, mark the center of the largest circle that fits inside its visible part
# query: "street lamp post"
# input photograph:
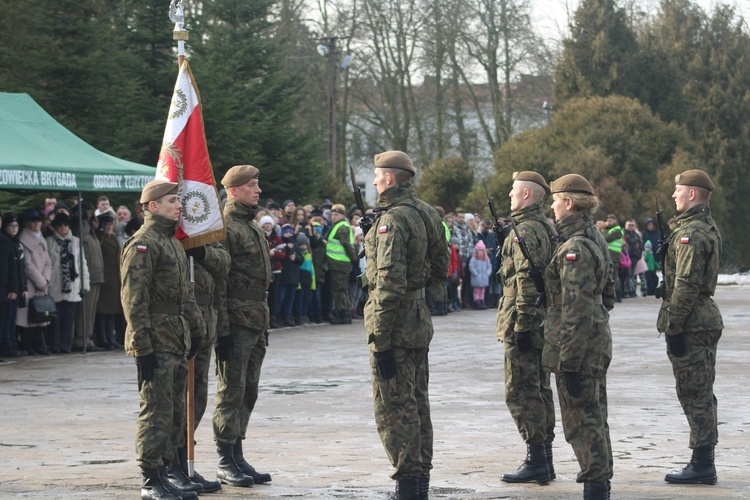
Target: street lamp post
(330, 51)
(548, 108)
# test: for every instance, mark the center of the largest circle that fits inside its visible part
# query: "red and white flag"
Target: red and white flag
(184, 159)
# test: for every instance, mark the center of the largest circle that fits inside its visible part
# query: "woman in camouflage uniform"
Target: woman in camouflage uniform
(578, 342)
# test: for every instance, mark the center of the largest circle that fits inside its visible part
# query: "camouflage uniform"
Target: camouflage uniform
(691, 269)
(210, 285)
(162, 316)
(247, 282)
(527, 386)
(577, 338)
(406, 251)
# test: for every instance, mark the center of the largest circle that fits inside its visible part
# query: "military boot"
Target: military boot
(178, 477)
(152, 487)
(208, 486)
(548, 457)
(424, 487)
(534, 468)
(228, 472)
(700, 470)
(343, 317)
(246, 468)
(407, 488)
(596, 491)
(174, 490)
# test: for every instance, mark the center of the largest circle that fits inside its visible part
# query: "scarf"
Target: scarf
(67, 264)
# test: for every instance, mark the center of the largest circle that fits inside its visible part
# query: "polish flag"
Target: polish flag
(184, 159)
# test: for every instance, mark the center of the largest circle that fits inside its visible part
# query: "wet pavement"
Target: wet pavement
(67, 421)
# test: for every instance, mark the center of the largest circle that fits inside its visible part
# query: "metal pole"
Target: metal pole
(85, 322)
(548, 108)
(332, 133)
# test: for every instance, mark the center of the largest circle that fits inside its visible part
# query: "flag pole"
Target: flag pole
(180, 34)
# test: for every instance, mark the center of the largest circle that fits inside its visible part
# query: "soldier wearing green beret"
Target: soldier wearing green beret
(241, 348)
(691, 321)
(578, 341)
(406, 251)
(164, 326)
(520, 320)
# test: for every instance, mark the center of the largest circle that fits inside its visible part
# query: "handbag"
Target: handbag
(42, 309)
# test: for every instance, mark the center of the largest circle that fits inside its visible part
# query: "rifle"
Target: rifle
(536, 272)
(367, 219)
(501, 230)
(661, 248)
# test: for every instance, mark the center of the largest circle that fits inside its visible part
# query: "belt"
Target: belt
(556, 300)
(248, 294)
(668, 294)
(509, 292)
(413, 294)
(204, 300)
(174, 309)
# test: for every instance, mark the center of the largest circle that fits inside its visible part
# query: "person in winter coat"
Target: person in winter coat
(38, 273)
(289, 278)
(278, 254)
(69, 280)
(455, 273)
(109, 306)
(306, 281)
(481, 269)
(18, 267)
(92, 250)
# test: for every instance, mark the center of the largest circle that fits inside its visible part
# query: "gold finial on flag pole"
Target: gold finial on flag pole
(179, 33)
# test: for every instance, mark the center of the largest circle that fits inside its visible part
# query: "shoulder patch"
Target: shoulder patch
(684, 240)
(571, 257)
(141, 247)
(382, 229)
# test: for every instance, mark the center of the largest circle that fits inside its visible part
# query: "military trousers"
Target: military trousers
(585, 426)
(340, 289)
(402, 413)
(160, 426)
(528, 394)
(694, 375)
(237, 384)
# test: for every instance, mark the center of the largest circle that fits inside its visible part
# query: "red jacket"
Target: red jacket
(274, 241)
(455, 267)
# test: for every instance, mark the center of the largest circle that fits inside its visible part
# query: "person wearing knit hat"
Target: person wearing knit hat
(520, 317)
(406, 252)
(481, 269)
(17, 293)
(691, 320)
(165, 327)
(340, 255)
(580, 294)
(289, 207)
(241, 348)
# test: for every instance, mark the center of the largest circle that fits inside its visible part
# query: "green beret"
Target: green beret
(695, 177)
(530, 176)
(156, 189)
(395, 159)
(571, 183)
(239, 175)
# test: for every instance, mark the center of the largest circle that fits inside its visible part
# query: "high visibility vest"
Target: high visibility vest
(615, 245)
(447, 231)
(334, 249)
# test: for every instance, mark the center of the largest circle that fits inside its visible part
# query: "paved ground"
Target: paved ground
(68, 420)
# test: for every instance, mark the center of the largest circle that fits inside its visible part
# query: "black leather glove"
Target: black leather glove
(146, 366)
(198, 253)
(523, 340)
(676, 344)
(365, 222)
(573, 383)
(82, 293)
(224, 346)
(386, 364)
(195, 344)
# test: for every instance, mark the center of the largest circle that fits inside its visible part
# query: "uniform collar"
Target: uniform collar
(240, 210)
(701, 209)
(521, 214)
(396, 194)
(574, 223)
(160, 223)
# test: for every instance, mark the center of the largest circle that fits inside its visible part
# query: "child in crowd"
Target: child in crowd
(652, 280)
(454, 275)
(306, 281)
(481, 269)
(277, 251)
(289, 277)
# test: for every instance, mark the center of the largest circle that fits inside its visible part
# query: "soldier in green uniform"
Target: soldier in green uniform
(211, 268)
(520, 327)
(406, 251)
(241, 348)
(164, 325)
(341, 253)
(691, 320)
(577, 338)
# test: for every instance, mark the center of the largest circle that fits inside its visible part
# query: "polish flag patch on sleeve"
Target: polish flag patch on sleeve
(571, 257)
(684, 240)
(382, 229)
(141, 248)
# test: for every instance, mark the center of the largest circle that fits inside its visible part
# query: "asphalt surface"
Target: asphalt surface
(67, 421)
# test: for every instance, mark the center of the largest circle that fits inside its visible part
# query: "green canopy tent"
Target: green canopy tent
(38, 153)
